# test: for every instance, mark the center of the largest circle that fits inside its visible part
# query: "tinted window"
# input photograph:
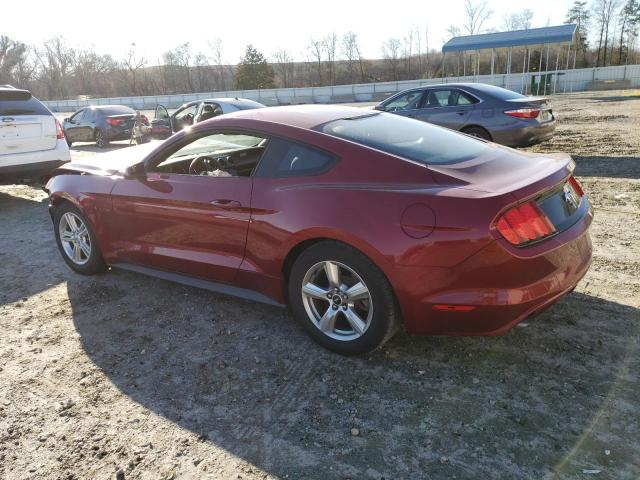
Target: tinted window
(406, 138)
(448, 97)
(284, 158)
(32, 106)
(497, 92)
(117, 110)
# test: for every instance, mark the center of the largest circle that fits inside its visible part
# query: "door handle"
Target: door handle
(225, 203)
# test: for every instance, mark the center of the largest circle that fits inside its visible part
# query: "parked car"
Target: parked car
(484, 111)
(358, 219)
(32, 141)
(164, 125)
(101, 124)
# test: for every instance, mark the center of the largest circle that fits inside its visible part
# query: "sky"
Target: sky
(157, 26)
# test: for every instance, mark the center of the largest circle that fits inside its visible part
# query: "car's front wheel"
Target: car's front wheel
(76, 240)
(342, 299)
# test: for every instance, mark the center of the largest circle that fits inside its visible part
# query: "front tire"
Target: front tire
(76, 241)
(342, 299)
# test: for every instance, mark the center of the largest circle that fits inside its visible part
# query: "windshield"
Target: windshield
(117, 110)
(22, 107)
(498, 92)
(406, 137)
(215, 145)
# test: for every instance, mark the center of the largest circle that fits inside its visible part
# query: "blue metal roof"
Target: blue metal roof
(533, 36)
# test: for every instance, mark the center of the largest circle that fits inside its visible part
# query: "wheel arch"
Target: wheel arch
(296, 250)
(475, 125)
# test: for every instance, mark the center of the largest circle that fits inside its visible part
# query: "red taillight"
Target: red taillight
(524, 223)
(576, 186)
(524, 112)
(59, 131)
(115, 122)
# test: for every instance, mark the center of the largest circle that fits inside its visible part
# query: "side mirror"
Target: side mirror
(134, 170)
(380, 108)
(66, 120)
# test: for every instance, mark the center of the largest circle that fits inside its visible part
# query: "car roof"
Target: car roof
(301, 116)
(100, 107)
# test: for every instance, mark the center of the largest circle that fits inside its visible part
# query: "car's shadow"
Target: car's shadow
(607, 166)
(92, 148)
(546, 399)
(26, 245)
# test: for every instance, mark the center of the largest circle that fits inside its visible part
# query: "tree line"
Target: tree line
(608, 33)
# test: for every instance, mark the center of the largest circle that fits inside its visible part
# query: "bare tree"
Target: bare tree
(217, 52)
(330, 46)
(132, 63)
(603, 12)
(56, 61)
(476, 12)
(284, 67)
(12, 56)
(518, 21)
(391, 55)
(350, 50)
(316, 49)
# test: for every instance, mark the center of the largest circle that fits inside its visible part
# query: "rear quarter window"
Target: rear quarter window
(31, 106)
(285, 159)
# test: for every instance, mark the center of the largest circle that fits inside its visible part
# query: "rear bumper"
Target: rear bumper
(524, 133)
(503, 285)
(33, 164)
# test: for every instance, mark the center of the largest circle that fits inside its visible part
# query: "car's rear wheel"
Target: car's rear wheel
(342, 299)
(478, 132)
(76, 241)
(101, 140)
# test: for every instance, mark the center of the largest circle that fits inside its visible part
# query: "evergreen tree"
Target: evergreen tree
(579, 14)
(253, 71)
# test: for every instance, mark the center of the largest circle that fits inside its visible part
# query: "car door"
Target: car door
(73, 126)
(184, 117)
(161, 123)
(189, 223)
(447, 107)
(407, 104)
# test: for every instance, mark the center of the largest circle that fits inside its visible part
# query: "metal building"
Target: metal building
(529, 39)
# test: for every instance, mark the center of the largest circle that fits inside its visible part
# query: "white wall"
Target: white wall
(565, 81)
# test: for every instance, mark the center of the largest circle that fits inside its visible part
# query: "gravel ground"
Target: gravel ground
(124, 376)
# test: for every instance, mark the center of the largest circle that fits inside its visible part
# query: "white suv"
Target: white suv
(32, 141)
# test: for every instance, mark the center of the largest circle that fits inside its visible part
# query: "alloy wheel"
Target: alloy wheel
(337, 300)
(75, 239)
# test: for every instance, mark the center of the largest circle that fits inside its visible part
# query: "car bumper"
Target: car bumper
(500, 285)
(33, 164)
(523, 133)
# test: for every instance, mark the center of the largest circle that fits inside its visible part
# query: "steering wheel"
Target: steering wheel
(207, 162)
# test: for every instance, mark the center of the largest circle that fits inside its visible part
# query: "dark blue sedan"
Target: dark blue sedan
(101, 124)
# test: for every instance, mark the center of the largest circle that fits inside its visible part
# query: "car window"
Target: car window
(78, 116)
(407, 138)
(186, 115)
(221, 155)
(284, 158)
(465, 99)
(408, 101)
(13, 105)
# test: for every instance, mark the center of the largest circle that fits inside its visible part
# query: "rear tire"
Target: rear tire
(76, 241)
(100, 139)
(478, 132)
(342, 299)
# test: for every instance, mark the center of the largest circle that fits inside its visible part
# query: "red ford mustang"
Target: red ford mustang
(359, 220)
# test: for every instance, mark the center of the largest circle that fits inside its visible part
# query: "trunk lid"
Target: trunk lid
(124, 121)
(27, 133)
(503, 170)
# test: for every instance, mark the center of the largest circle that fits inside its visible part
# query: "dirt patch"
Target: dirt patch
(123, 373)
